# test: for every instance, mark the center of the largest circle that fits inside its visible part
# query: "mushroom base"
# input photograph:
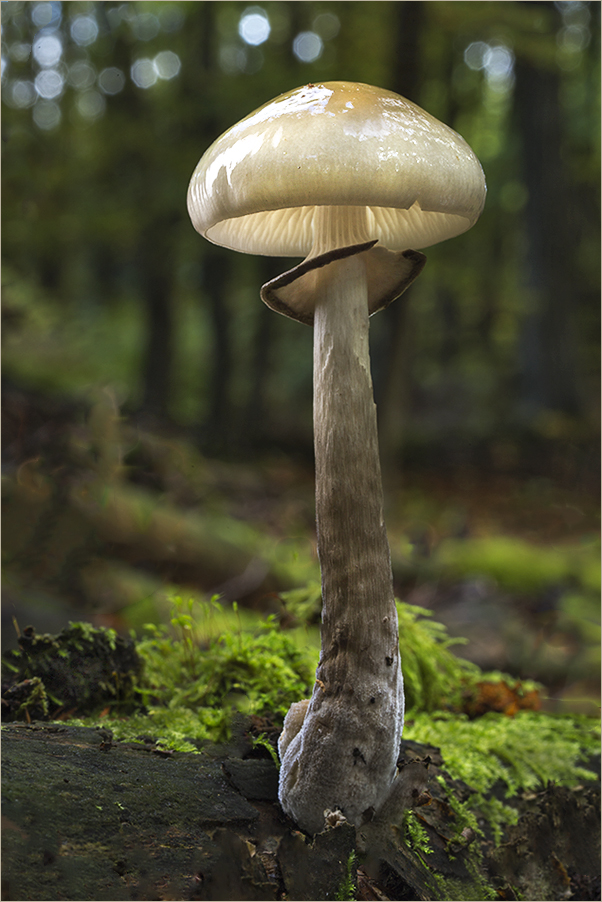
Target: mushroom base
(342, 755)
(343, 752)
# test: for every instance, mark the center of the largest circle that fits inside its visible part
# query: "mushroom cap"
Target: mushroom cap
(339, 144)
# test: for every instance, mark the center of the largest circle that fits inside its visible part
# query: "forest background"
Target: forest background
(157, 417)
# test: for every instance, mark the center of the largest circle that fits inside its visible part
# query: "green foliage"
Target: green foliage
(465, 818)
(66, 350)
(521, 752)
(28, 700)
(259, 670)
(465, 828)
(305, 602)
(579, 615)
(415, 835)
(433, 676)
(570, 574)
(519, 566)
(80, 669)
(476, 889)
(348, 887)
(212, 661)
(496, 814)
(263, 742)
(207, 664)
(210, 664)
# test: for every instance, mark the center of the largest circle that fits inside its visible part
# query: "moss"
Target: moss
(476, 889)
(215, 660)
(212, 661)
(433, 676)
(463, 835)
(496, 755)
(520, 566)
(415, 835)
(259, 670)
(497, 815)
(348, 887)
(521, 752)
(262, 741)
(26, 700)
(209, 663)
(81, 669)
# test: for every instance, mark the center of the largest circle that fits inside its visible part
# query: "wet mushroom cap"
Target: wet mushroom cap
(412, 180)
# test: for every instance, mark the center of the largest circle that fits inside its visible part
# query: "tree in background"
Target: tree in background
(106, 110)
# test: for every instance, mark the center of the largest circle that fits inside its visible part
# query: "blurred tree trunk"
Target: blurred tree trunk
(155, 274)
(256, 415)
(216, 428)
(208, 122)
(392, 378)
(547, 348)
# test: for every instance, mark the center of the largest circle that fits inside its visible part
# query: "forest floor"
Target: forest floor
(103, 519)
(106, 522)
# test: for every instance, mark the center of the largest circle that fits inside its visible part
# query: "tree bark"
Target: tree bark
(547, 347)
(394, 347)
(218, 420)
(155, 279)
(86, 817)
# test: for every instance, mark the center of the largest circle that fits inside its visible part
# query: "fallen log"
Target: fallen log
(89, 818)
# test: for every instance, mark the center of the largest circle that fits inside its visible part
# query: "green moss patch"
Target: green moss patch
(519, 566)
(519, 752)
(81, 669)
(183, 685)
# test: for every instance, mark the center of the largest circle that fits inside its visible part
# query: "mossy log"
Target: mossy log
(110, 545)
(88, 818)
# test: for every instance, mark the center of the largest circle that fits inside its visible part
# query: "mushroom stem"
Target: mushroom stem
(357, 584)
(344, 753)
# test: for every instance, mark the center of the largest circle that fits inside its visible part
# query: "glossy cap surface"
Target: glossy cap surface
(415, 180)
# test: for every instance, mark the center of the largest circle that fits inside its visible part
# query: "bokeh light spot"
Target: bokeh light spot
(46, 114)
(49, 83)
(143, 73)
(47, 50)
(254, 26)
(84, 30)
(327, 25)
(46, 15)
(167, 64)
(81, 75)
(19, 51)
(232, 59)
(145, 26)
(22, 94)
(474, 55)
(308, 46)
(111, 80)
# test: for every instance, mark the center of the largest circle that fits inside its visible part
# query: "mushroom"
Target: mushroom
(355, 178)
